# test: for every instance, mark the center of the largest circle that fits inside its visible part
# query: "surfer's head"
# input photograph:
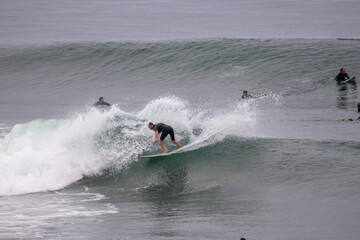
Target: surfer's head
(343, 70)
(101, 99)
(151, 125)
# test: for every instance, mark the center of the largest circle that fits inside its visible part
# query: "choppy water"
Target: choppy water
(278, 166)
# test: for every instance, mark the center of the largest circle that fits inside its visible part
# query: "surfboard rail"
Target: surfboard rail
(155, 155)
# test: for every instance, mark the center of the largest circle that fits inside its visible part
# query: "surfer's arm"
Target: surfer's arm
(336, 78)
(156, 136)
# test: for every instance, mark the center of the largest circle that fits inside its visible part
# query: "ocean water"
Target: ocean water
(282, 165)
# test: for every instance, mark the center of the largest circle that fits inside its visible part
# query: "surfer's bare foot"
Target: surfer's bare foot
(163, 153)
(177, 143)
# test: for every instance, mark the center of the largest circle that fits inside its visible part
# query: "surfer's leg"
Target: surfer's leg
(173, 138)
(163, 146)
(164, 135)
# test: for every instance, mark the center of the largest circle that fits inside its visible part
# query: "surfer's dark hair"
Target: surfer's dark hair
(150, 124)
(100, 98)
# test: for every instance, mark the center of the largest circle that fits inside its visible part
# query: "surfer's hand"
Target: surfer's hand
(155, 141)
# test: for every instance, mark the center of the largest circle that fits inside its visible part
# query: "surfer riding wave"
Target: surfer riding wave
(164, 130)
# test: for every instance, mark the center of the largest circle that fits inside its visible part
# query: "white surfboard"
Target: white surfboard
(188, 147)
(179, 150)
(350, 80)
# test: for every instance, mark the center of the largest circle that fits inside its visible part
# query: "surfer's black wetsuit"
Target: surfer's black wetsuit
(341, 77)
(101, 104)
(247, 96)
(164, 130)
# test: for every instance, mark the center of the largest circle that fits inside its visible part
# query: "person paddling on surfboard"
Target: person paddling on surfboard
(342, 76)
(164, 130)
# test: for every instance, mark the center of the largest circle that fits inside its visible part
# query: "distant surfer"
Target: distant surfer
(342, 76)
(246, 95)
(101, 102)
(164, 130)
